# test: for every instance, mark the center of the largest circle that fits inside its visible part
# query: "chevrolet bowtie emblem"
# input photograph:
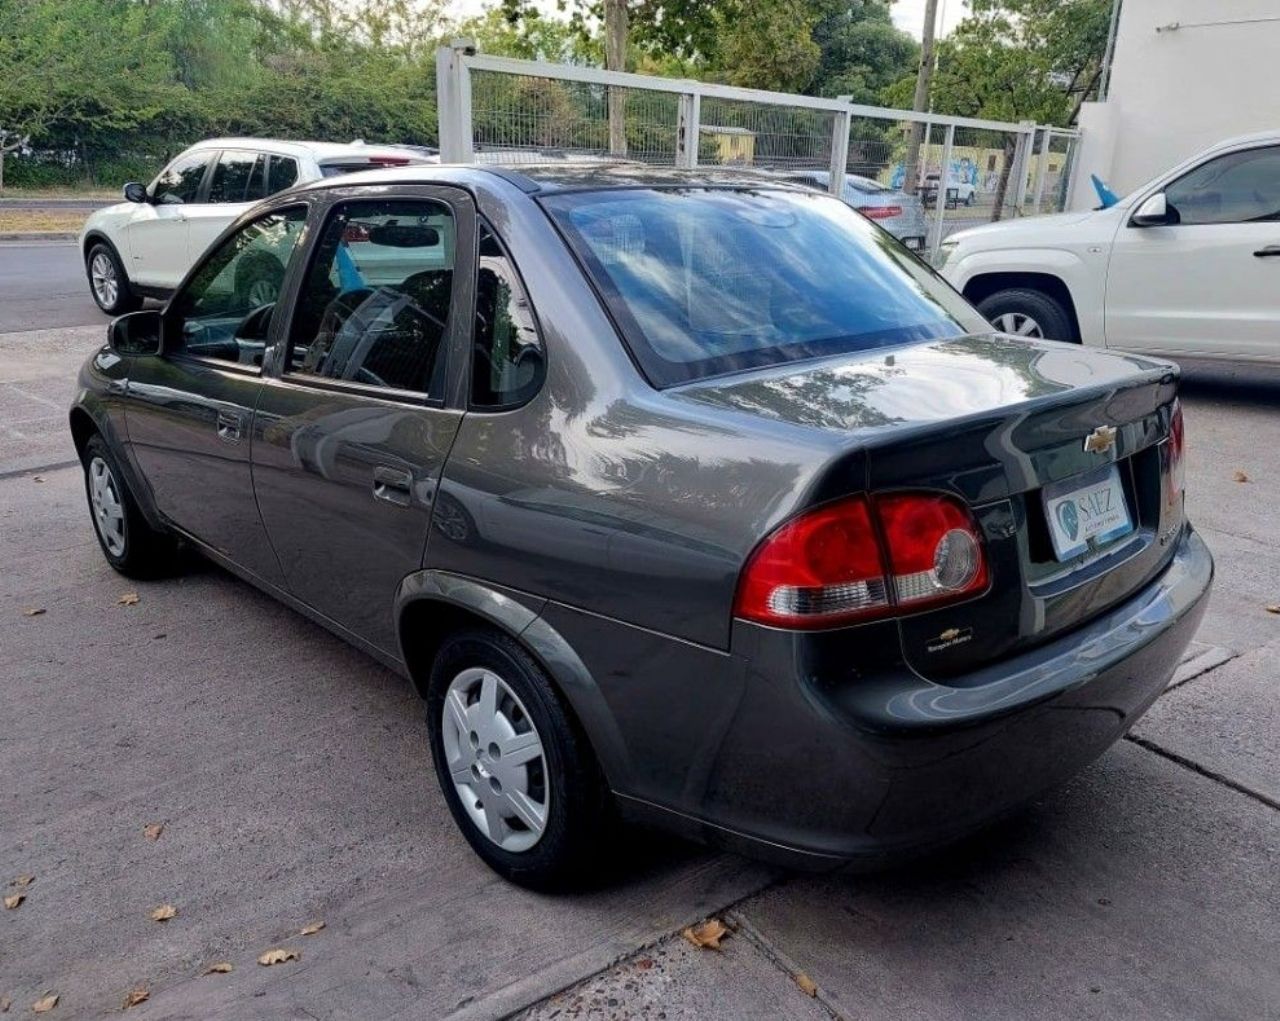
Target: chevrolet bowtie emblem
(950, 633)
(1100, 440)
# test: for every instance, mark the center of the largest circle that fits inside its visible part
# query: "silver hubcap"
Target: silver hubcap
(1019, 324)
(108, 512)
(262, 292)
(495, 760)
(102, 278)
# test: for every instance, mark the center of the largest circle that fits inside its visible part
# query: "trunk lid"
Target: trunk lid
(994, 421)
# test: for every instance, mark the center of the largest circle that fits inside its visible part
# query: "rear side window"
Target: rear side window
(507, 365)
(179, 182)
(376, 301)
(284, 174)
(238, 177)
(707, 281)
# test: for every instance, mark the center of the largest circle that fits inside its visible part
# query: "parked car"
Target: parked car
(679, 497)
(902, 215)
(143, 246)
(1186, 265)
(959, 192)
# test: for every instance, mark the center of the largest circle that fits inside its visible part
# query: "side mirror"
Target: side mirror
(1155, 212)
(135, 192)
(137, 333)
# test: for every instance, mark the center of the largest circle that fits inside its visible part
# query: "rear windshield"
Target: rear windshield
(706, 281)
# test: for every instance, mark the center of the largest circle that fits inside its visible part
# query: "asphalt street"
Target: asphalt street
(292, 779)
(42, 285)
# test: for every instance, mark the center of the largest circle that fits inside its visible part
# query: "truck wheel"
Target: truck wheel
(1024, 312)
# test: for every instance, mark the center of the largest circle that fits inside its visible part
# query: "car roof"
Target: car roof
(567, 175)
(320, 151)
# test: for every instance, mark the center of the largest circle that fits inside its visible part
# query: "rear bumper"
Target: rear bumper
(843, 754)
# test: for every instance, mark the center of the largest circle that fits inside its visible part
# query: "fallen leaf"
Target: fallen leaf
(706, 934)
(278, 956)
(5, 1004)
(153, 830)
(312, 929)
(1239, 476)
(806, 984)
(1274, 608)
(22, 881)
(38, 478)
(45, 1004)
(129, 599)
(221, 968)
(136, 995)
(163, 913)
(13, 900)
(34, 611)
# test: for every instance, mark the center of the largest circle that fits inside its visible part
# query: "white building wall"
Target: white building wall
(1176, 90)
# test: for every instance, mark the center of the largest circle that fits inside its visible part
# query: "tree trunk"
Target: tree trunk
(1002, 187)
(924, 76)
(615, 59)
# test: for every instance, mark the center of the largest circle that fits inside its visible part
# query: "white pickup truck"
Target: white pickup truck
(1186, 265)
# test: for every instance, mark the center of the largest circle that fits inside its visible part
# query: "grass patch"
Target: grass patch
(41, 221)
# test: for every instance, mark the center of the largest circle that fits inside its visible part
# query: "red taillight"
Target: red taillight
(355, 232)
(388, 161)
(1176, 478)
(881, 212)
(833, 565)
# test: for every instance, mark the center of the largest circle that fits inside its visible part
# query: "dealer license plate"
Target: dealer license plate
(1087, 511)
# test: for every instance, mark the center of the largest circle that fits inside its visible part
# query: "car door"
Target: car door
(356, 419)
(190, 412)
(157, 234)
(1208, 283)
(238, 181)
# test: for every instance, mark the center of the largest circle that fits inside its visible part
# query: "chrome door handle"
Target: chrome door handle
(229, 426)
(1271, 251)
(393, 485)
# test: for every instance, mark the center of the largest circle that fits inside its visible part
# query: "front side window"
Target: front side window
(507, 360)
(179, 182)
(375, 304)
(225, 311)
(1240, 187)
(704, 281)
(238, 177)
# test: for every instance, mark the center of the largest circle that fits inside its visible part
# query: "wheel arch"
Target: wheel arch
(94, 237)
(431, 605)
(983, 285)
(83, 428)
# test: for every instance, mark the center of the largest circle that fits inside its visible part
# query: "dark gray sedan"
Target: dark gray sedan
(684, 499)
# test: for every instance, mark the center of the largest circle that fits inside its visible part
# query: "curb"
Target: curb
(40, 235)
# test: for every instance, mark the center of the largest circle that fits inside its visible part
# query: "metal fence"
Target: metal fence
(967, 171)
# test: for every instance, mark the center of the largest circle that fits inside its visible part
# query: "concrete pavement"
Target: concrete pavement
(292, 778)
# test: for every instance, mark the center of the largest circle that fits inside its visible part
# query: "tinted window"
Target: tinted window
(238, 177)
(1241, 187)
(226, 309)
(284, 174)
(180, 180)
(507, 361)
(376, 299)
(706, 281)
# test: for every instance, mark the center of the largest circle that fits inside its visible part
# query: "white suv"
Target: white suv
(143, 247)
(1187, 265)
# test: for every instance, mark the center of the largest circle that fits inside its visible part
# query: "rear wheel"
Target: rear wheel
(516, 770)
(1024, 312)
(108, 283)
(130, 545)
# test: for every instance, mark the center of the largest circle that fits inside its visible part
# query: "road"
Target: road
(293, 782)
(42, 285)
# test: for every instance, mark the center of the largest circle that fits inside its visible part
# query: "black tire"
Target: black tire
(1053, 320)
(145, 552)
(574, 848)
(125, 298)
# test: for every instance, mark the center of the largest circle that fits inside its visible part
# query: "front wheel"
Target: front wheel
(108, 283)
(516, 770)
(1024, 312)
(131, 546)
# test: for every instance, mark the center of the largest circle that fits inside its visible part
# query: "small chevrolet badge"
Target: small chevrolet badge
(950, 633)
(1100, 440)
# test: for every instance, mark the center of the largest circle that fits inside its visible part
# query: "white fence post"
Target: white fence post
(944, 182)
(1026, 143)
(839, 152)
(453, 102)
(688, 126)
(1043, 167)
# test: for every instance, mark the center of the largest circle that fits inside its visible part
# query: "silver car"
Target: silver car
(902, 215)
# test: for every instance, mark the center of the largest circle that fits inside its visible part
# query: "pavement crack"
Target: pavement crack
(775, 956)
(1195, 767)
(36, 469)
